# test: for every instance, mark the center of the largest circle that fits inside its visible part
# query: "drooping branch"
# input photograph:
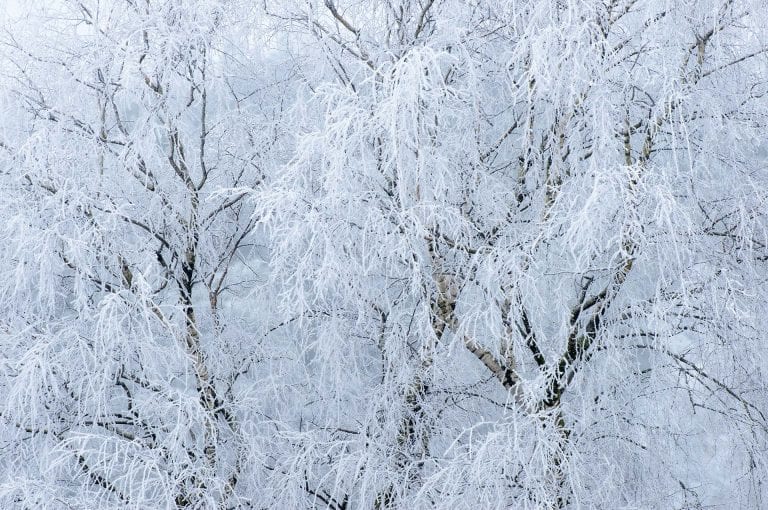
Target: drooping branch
(686, 364)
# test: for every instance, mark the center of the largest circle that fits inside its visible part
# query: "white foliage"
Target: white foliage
(385, 254)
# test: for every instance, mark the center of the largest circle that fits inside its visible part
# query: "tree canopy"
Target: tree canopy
(384, 254)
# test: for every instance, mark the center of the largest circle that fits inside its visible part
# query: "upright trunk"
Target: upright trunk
(204, 386)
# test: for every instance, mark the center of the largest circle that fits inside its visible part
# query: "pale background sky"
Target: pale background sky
(9, 9)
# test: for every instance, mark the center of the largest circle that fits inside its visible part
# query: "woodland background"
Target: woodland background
(383, 254)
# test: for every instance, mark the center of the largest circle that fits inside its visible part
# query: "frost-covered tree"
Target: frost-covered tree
(384, 254)
(525, 246)
(122, 346)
